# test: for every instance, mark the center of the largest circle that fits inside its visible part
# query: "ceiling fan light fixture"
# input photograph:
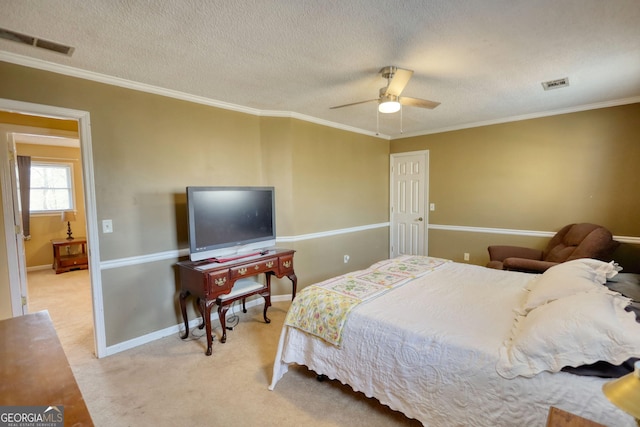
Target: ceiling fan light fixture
(389, 100)
(389, 106)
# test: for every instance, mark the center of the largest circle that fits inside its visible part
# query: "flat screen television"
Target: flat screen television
(228, 221)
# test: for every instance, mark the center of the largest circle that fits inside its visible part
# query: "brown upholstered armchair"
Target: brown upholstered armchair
(573, 241)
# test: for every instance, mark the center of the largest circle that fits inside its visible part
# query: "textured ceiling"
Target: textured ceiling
(483, 60)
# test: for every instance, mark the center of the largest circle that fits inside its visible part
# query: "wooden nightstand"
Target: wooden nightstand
(559, 418)
(70, 254)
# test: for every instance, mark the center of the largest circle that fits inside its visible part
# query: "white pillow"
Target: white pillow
(572, 331)
(561, 281)
(603, 270)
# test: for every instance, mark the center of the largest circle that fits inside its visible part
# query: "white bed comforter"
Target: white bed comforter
(429, 350)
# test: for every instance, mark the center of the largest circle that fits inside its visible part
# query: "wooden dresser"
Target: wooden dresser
(34, 369)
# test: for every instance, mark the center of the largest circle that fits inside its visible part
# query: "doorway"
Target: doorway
(17, 278)
(55, 217)
(409, 195)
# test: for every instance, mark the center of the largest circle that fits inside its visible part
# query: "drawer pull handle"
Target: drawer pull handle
(220, 281)
(242, 271)
(287, 264)
(270, 264)
(256, 267)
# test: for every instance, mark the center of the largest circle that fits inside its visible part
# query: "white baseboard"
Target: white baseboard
(179, 328)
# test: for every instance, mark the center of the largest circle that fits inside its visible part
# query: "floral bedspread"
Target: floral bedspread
(322, 309)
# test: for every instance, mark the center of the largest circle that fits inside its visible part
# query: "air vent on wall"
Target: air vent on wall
(556, 84)
(34, 41)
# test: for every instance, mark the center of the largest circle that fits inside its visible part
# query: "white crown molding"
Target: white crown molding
(537, 115)
(116, 81)
(129, 84)
(304, 117)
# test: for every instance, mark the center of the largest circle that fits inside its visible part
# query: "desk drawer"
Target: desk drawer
(286, 264)
(70, 261)
(252, 269)
(218, 283)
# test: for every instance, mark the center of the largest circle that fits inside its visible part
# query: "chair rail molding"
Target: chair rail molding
(515, 232)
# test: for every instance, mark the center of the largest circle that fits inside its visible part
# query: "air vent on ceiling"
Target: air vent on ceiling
(556, 84)
(34, 41)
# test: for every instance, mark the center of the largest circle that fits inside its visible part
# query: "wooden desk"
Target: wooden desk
(67, 257)
(35, 371)
(559, 418)
(210, 282)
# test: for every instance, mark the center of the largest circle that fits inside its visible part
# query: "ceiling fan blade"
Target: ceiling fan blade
(353, 103)
(398, 81)
(415, 102)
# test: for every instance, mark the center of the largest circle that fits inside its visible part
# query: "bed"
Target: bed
(446, 343)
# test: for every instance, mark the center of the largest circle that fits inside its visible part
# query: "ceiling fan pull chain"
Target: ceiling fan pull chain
(377, 121)
(401, 119)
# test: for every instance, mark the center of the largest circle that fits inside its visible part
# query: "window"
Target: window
(51, 187)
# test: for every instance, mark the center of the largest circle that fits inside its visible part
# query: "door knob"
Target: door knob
(419, 219)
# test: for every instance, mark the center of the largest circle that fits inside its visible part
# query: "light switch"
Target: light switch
(432, 206)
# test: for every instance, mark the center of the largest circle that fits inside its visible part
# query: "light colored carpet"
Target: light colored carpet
(170, 382)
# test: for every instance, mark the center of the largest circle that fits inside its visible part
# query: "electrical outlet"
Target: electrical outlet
(466, 256)
(107, 226)
(346, 259)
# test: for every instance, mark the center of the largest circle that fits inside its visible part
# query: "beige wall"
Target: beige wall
(148, 148)
(537, 174)
(533, 175)
(341, 179)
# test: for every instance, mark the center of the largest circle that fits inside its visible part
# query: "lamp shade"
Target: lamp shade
(624, 392)
(68, 216)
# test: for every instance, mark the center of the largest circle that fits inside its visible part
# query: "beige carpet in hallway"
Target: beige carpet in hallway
(170, 382)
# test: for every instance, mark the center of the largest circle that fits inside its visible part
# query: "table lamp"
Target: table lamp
(68, 216)
(624, 392)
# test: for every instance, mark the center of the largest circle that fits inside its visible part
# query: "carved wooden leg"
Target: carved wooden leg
(267, 304)
(183, 309)
(222, 316)
(267, 296)
(294, 284)
(207, 322)
(201, 308)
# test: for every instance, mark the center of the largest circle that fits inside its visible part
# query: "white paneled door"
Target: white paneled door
(408, 211)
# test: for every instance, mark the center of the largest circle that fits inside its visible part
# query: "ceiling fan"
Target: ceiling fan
(389, 99)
